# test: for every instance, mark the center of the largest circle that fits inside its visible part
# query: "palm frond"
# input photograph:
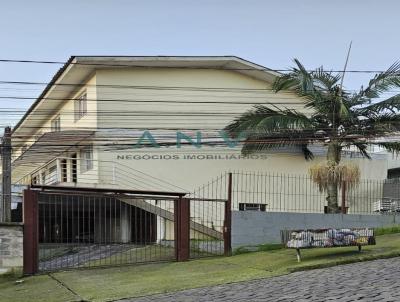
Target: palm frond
(261, 142)
(299, 80)
(393, 147)
(308, 155)
(391, 104)
(362, 148)
(348, 119)
(382, 82)
(324, 79)
(379, 125)
(268, 120)
(325, 174)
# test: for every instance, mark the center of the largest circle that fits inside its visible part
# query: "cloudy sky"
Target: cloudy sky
(270, 33)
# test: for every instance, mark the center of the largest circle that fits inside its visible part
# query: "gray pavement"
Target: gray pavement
(367, 281)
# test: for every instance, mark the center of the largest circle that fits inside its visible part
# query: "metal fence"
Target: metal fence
(77, 230)
(278, 192)
(211, 207)
(80, 228)
(298, 193)
(206, 227)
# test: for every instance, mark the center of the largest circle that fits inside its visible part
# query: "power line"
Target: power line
(156, 88)
(117, 100)
(259, 68)
(144, 87)
(170, 141)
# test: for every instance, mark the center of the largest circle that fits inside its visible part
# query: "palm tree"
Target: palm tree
(336, 118)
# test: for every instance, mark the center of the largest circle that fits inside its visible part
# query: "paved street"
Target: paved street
(368, 281)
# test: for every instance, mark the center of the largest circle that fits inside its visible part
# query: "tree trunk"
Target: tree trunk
(333, 158)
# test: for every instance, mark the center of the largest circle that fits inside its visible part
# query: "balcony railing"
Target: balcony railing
(107, 174)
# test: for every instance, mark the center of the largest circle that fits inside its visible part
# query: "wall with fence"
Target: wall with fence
(299, 194)
(255, 227)
(11, 247)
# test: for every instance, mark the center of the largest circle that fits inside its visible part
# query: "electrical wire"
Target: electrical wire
(259, 67)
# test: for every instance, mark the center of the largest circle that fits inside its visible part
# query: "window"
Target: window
(86, 159)
(80, 106)
(74, 174)
(64, 175)
(252, 207)
(53, 169)
(56, 124)
(43, 178)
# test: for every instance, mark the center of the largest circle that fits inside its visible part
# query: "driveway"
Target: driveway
(367, 281)
(83, 254)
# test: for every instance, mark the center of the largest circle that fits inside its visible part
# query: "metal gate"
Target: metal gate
(80, 228)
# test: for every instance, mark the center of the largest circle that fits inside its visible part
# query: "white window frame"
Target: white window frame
(86, 155)
(252, 207)
(80, 106)
(56, 124)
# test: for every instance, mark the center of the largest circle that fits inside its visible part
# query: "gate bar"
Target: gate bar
(182, 229)
(228, 219)
(31, 229)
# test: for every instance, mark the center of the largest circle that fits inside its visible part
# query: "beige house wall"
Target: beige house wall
(67, 122)
(192, 173)
(191, 86)
(144, 115)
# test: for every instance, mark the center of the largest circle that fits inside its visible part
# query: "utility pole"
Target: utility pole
(6, 176)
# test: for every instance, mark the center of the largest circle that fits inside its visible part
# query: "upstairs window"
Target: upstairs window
(56, 124)
(43, 178)
(86, 159)
(80, 106)
(74, 168)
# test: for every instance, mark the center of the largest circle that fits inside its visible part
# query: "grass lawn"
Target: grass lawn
(130, 281)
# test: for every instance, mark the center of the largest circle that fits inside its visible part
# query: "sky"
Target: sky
(270, 33)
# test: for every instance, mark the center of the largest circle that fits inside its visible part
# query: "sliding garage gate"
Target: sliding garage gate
(79, 228)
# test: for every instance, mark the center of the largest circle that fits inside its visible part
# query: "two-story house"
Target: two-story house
(153, 123)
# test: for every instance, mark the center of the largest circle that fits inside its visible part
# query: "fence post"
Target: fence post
(182, 229)
(5, 210)
(343, 207)
(31, 228)
(228, 219)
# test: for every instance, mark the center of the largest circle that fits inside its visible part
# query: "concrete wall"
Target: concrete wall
(11, 247)
(253, 228)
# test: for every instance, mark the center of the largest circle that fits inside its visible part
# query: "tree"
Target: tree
(332, 116)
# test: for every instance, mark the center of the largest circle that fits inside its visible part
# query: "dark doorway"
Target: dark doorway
(144, 226)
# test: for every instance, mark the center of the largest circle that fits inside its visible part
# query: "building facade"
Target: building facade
(155, 123)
